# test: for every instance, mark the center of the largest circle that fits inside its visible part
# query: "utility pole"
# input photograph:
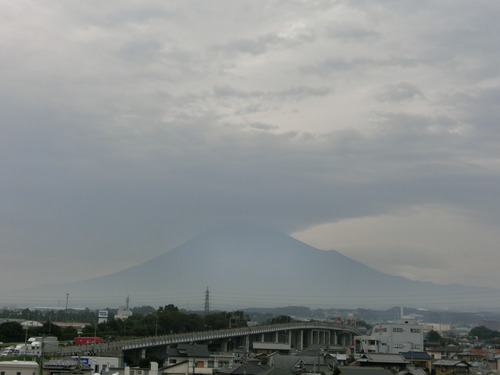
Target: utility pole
(66, 308)
(156, 323)
(194, 357)
(26, 327)
(95, 329)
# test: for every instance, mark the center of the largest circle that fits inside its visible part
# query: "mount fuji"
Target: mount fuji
(255, 267)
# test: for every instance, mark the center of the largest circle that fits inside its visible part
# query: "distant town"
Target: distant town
(292, 340)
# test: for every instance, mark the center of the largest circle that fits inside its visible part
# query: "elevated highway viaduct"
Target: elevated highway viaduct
(282, 337)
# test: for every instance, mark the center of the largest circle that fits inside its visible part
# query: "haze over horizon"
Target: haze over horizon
(368, 128)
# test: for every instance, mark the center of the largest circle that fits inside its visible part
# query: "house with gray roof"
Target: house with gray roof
(362, 370)
(392, 361)
(298, 364)
(418, 359)
(66, 366)
(195, 359)
(247, 368)
(450, 366)
(19, 367)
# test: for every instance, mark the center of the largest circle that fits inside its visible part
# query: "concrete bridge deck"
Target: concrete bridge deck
(316, 333)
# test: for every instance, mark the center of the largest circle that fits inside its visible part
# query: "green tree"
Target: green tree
(281, 319)
(11, 332)
(483, 333)
(68, 333)
(50, 329)
(216, 321)
(434, 336)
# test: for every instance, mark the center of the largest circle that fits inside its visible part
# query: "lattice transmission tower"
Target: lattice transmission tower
(207, 301)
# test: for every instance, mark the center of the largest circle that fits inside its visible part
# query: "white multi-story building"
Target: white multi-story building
(401, 336)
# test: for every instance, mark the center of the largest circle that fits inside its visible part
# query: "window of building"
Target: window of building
(2, 372)
(200, 364)
(211, 363)
(397, 329)
(398, 346)
(415, 330)
(223, 363)
(18, 373)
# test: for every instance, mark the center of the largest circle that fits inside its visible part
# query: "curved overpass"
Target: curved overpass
(294, 335)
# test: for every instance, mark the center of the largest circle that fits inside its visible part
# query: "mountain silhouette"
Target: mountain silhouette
(256, 267)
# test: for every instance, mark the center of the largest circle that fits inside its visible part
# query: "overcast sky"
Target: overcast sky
(369, 127)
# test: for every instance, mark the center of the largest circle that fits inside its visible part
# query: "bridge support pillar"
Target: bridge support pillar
(247, 344)
(223, 346)
(143, 353)
(276, 337)
(262, 337)
(298, 339)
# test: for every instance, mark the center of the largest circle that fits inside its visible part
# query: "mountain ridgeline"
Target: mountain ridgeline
(249, 267)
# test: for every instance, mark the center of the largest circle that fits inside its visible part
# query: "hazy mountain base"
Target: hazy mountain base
(372, 316)
(254, 267)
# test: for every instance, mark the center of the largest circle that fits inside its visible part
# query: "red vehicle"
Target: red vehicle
(86, 340)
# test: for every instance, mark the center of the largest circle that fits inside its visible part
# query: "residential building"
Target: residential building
(357, 370)
(418, 359)
(248, 368)
(450, 366)
(195, 359)
(393, 361)
(303, 364)
(99, 364)
(19, 368)
(66, 366)
(443, 352)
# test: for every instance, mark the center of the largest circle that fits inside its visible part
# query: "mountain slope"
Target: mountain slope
(258, 267)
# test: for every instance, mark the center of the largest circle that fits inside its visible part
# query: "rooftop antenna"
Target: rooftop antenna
(207, 301)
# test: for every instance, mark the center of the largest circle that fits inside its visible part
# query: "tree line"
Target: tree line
(165, 320)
